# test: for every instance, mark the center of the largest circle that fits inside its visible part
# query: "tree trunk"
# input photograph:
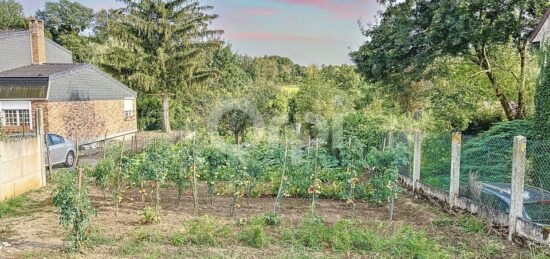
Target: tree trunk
(486, 67)
(165, 113)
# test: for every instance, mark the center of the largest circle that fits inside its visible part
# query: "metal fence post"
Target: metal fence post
(455, 168)
(416, 159)
(518, 181)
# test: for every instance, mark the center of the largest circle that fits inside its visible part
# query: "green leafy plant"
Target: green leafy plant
(103, 172)
(206, 231)
(215, 161)
(149, 215)
(386, 165)
(71, 197)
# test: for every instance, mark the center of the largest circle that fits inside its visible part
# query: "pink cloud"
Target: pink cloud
(257, 11)
(274, 36)
(350, 9)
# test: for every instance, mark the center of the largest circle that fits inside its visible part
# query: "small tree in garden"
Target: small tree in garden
(71, 197)
(386, 165)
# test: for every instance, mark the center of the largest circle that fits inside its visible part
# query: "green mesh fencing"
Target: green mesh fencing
(406, 139)
(537, 181)
(486, 160)
(435, 165)
(538, 164)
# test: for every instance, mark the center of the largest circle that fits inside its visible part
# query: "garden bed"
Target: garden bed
(419, 229)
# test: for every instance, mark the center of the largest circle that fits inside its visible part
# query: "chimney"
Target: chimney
(38, 42)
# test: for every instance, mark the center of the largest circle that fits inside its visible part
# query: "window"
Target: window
(55, 140)
(128, 108)
(17, 118)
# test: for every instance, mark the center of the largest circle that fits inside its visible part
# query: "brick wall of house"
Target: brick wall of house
(86, 120)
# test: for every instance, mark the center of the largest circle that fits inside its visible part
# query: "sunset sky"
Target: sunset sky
(307, 31)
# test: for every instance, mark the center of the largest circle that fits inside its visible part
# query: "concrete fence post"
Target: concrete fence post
(518, 181)
(40, 134)
(416, 159)
(455, 168)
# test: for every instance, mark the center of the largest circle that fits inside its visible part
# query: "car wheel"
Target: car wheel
(69, 161)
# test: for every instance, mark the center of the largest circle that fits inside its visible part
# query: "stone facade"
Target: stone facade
(86, 120)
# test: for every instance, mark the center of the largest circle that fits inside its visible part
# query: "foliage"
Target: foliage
(542, 118)
(489, 154)
(413, 33)
(103, 172)
(149, 215)
(11, 206)
(71, 197)
(386, 165)
(160, 46)
(216, 161)
(11, 15)
(207, 231)
(65, 17)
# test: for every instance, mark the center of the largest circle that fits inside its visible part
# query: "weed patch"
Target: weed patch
(12, 206)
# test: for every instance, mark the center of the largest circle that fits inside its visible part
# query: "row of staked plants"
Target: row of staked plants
(288, 168)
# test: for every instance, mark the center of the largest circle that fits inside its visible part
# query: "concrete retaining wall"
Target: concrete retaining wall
(524, 229)
(21, 167)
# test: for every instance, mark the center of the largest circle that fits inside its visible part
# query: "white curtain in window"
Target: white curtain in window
(128, 105)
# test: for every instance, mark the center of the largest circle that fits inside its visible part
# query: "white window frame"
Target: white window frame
(16, 105)
(129, 107)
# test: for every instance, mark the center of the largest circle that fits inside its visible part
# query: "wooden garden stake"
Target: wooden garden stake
(281, 186)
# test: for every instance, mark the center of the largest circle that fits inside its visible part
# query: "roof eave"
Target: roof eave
(539, 26)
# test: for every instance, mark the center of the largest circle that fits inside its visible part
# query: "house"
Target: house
(78, 100)
(542, 31)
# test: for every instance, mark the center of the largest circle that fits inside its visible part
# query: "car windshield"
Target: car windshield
(538, 211)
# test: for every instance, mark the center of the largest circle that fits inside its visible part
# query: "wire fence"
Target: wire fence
(538, 164)
(436, 160)
(484, 160)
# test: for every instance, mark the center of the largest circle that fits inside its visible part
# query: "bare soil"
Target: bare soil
(36, 231)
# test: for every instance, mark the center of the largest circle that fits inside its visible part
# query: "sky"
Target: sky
(307, 31)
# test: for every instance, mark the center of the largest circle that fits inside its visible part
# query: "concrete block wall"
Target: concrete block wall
(21, 167)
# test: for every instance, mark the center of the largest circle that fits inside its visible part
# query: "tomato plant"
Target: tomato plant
(71, 197)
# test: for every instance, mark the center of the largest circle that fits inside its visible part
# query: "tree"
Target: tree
(159, 47)
(65, 17)
(11, 15)
(412, 33)
(542, 98)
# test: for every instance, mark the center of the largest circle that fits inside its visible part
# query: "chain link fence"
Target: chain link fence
(484, 160)
(436, 160)
(537, 181)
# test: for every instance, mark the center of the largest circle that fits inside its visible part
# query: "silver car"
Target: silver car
(62, 150)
